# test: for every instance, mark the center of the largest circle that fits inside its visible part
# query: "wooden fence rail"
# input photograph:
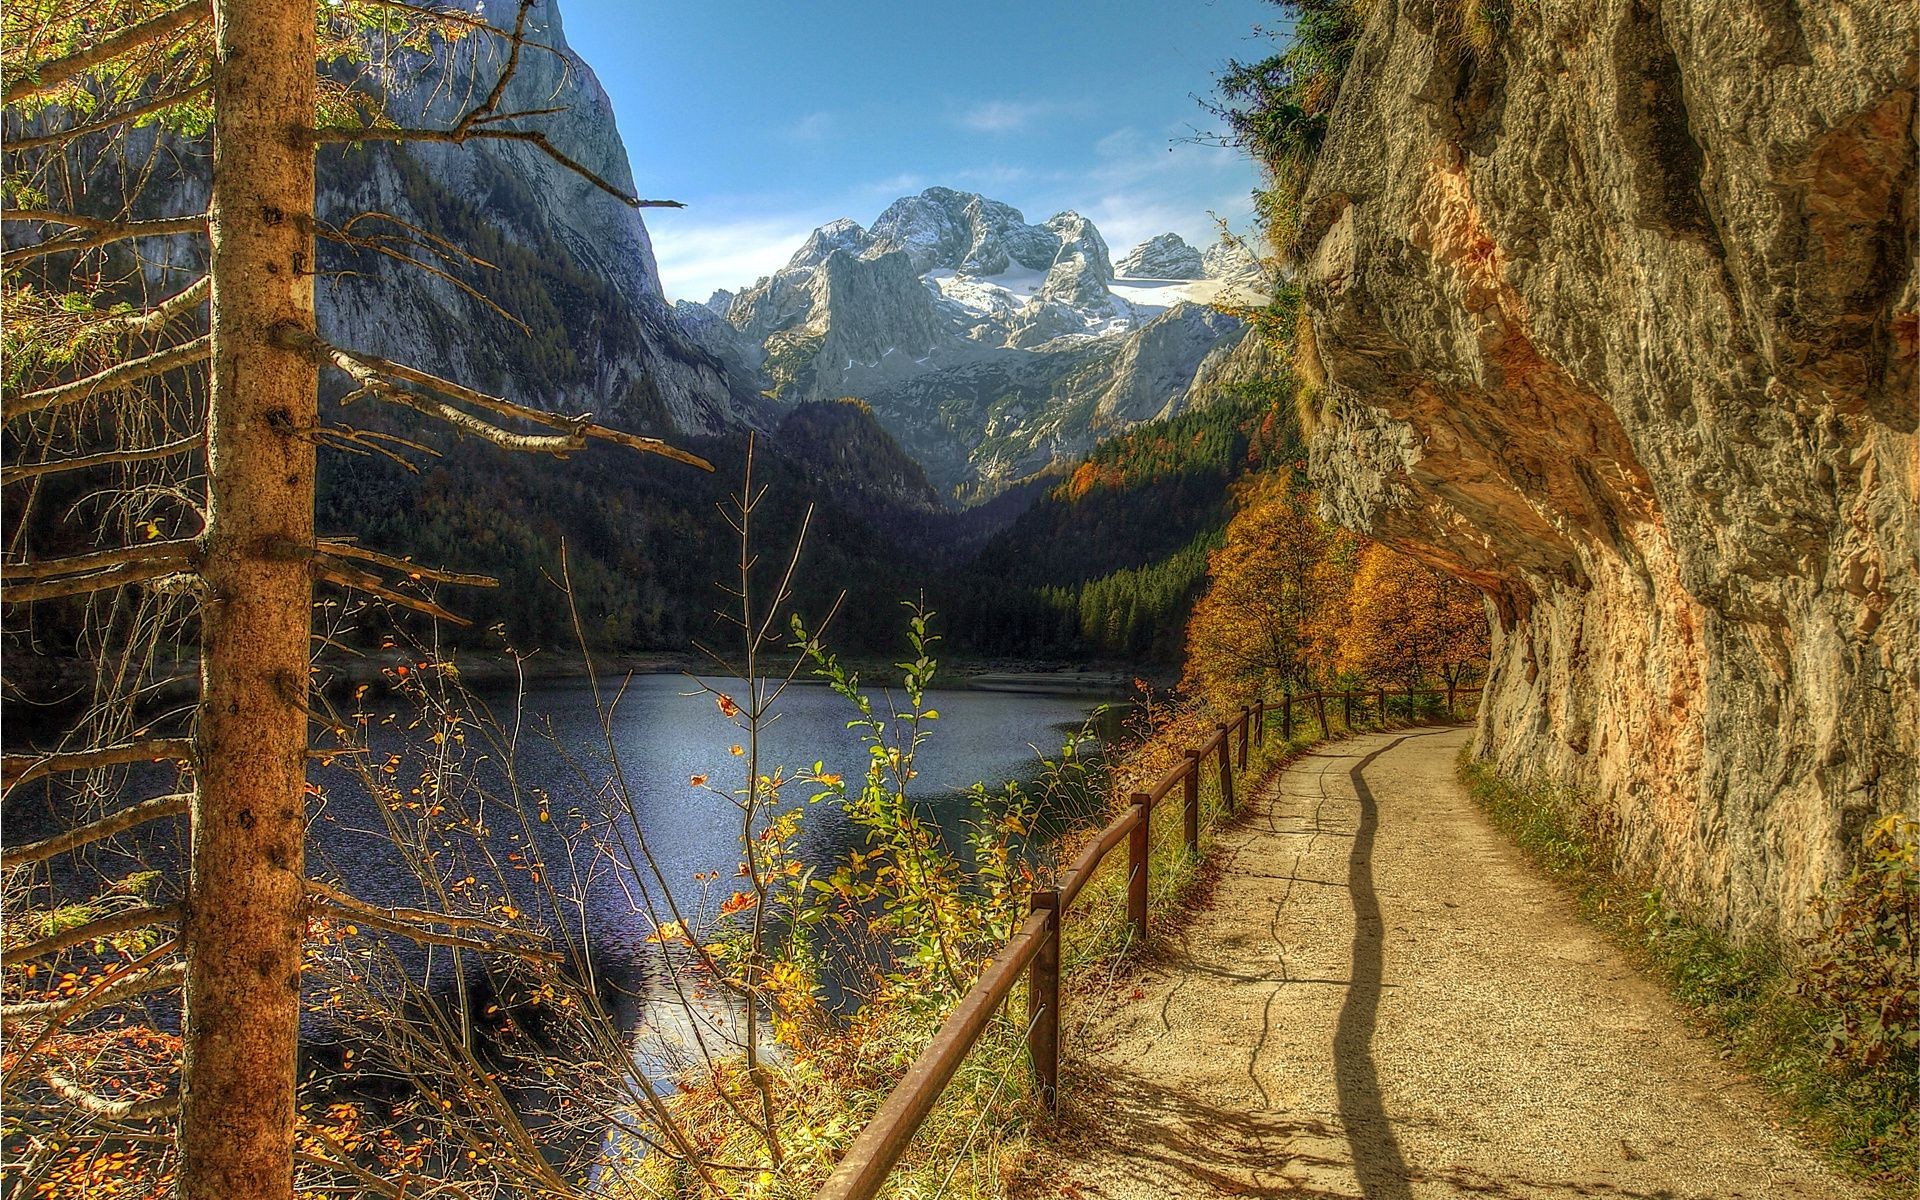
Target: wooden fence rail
(1035, 947)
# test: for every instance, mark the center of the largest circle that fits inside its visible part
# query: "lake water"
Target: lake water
(664, 731)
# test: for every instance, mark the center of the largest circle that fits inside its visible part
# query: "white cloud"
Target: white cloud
(1000, 116)
(697, 256)
(814, 127)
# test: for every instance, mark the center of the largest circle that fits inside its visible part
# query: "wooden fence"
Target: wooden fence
(1035, 947)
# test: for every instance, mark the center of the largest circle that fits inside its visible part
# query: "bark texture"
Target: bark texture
(246, 895)
(1617, 321)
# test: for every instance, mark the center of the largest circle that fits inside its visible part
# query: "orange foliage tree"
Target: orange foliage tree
(1276, 596)
(1407, 624)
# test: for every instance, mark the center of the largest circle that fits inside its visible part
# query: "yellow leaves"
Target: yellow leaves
(727, 707)
(670, 931)
(696, 781)
(736, 751)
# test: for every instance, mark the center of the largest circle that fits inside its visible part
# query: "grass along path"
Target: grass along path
(1377, 998)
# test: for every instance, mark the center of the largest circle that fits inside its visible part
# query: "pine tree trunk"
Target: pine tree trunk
(247, 888)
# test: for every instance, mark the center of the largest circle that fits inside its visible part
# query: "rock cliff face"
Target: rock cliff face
(1165, 257)
(1616, 320)
(570, 261)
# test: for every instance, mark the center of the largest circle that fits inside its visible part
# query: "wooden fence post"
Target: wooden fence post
(1246, 728)
(1320, 704)
(1226, 771)
(1380, 698)
(1450, 699)
(1413, 710)
(1137, 867)
(1043, 1004)
(1191, 787)
(1286, 715)
(1346, 700)
(1260, 722)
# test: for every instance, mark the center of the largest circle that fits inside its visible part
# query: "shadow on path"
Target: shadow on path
(1377, 1161)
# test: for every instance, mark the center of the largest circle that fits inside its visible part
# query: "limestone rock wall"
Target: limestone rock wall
(1616, 320)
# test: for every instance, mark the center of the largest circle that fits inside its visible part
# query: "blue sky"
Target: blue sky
(771, 118)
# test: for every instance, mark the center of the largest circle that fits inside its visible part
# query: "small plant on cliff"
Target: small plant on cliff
(1864, 968)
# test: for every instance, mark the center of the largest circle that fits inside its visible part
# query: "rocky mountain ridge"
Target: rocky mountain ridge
(988, 345)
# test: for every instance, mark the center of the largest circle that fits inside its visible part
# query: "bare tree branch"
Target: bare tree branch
(368, 914)
(458, 136)
(341, 575)
(95, 930)
(119, 375)
(112, 1110)
(136, 814)
(139, 983)
(346, 549)
(378, 376)
(89, 234)
(106, 458)
(157, 104)
(48, 77)
(419, 916)
(172, 555)
(17, 769)
(94, 581)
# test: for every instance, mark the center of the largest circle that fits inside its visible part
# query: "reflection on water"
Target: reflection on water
(603, 852)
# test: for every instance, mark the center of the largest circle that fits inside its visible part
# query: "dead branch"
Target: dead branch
(458, 136)
(368, 914)
(162, 574)
(405, 566)
(112, 1110)
(50, 76)
(157, 104)
(136, 814)
(341, 575)
(119, 375)
(344, 437)
(16, 769)
(378, 374)
(327, 891)
(169, 310)
(106, 458)
(89, 234)
(96, 930)
(171, 554)
(140, 983)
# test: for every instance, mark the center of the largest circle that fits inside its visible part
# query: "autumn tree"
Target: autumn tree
(1408, 624)
(162, 422)
(1274, 596)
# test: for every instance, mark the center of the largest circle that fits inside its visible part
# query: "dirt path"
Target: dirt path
(1381, 1000)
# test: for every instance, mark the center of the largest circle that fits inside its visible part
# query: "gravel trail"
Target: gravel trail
(1380, 1000)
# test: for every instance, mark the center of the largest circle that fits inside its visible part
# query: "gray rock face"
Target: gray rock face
(1617, 323)
(835, 235)
(1165, 257)
(709, 330)
(996, 416)
(1155, 367)
(564, 242)
(982, 379)
(1081, 269)
(868, 320)
(1229, 260)
(960, 231)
